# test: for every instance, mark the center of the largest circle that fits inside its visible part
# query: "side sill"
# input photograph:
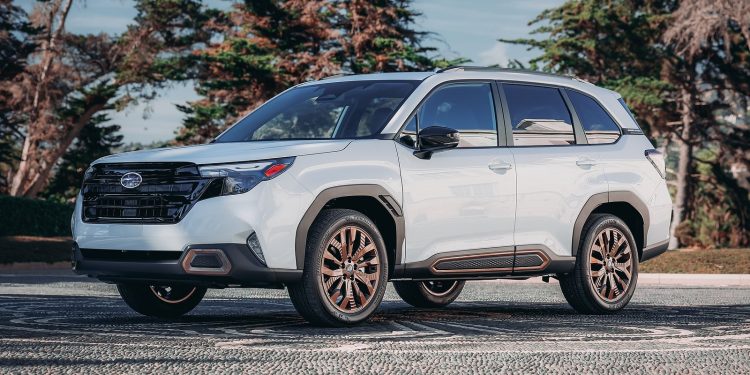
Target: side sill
(654, 250)
(489, 263)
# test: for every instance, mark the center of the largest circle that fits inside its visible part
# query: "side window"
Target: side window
(466, 107)
(409, 134)
(539, 116)
(598, 126)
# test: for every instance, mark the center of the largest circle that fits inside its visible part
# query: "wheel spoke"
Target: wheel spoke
(362, 251)
(329, 256)
(623, 267)
(349, 296)
(625, 251)
(367, 280)
(600, 280)
(368, 263)
(621, 284)
(360, 295)
(616, 246)
(344, 244)
(594, 260)
(330, 272)
(350, 243)
(612, 287)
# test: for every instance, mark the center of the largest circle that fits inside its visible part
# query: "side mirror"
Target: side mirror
(436, 138)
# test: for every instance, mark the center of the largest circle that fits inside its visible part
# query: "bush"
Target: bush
(31, 217)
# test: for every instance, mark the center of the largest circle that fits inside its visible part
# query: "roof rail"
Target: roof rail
(332, 76)
(499, 69)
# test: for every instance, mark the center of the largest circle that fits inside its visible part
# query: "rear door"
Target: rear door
(555, 174)
(464, 198)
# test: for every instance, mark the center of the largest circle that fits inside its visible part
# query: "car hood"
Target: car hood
(229, 152)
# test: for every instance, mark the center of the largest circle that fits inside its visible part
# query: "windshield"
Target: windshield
(355, 109)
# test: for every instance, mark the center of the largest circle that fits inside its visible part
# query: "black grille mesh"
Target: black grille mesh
(529, 260)
(497, 261)
(165, 195)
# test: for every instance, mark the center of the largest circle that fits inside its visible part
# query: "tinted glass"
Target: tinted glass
(327, 110)
(598, 126)
(539, 116)
(409, 133)
(466, 107)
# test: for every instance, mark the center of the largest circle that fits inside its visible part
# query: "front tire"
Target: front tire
(346, 270)
(429, 294)
(606, 271)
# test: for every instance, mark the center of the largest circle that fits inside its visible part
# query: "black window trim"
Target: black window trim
(499, 120)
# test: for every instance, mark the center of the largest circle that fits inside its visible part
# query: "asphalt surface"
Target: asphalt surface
(54, 323)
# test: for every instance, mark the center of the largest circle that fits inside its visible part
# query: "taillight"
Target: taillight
(657, 160)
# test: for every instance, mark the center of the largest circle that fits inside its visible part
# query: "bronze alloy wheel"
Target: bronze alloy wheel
(611, 264)
(350, 270)
(440, 288)
(172, 294)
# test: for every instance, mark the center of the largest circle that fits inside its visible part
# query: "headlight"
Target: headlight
(238, 178)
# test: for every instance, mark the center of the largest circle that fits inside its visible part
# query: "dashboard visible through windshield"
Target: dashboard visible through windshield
(354, 109)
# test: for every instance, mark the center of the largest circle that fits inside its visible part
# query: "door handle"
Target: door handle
(586, 162)
(500, 166)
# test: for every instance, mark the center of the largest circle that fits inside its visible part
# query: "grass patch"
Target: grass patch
(22, 249)
(699, 261)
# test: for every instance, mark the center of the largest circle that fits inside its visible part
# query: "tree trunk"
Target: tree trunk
(684, 163)
(29, 152)
(42, 178)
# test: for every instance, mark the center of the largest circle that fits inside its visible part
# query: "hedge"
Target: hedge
(32, 217)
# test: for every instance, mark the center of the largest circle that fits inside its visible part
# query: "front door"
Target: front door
(464, 198)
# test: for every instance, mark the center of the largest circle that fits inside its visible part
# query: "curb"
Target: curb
(672, 279)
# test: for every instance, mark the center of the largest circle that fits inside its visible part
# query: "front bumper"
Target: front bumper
(117, 266)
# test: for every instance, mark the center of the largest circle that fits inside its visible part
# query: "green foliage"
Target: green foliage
(15, 46)
(29, 217)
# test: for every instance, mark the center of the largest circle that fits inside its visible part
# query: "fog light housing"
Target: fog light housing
(254, 245)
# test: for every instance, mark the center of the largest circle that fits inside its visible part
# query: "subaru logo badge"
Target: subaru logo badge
(131, 180)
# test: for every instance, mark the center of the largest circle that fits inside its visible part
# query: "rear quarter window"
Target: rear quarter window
(596, 122)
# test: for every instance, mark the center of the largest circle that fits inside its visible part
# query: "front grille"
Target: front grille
(165, 195)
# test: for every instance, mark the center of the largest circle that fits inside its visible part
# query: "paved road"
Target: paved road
(59, 323)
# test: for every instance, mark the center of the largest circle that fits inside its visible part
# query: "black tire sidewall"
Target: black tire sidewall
(416, 293)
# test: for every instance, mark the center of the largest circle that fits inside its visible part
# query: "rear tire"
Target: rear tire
(429, 294)
(346, 270)
(606, 271)
(161, 301)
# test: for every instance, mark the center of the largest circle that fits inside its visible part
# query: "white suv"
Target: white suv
(335, 187)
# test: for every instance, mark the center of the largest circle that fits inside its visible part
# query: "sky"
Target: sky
(461, 29)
